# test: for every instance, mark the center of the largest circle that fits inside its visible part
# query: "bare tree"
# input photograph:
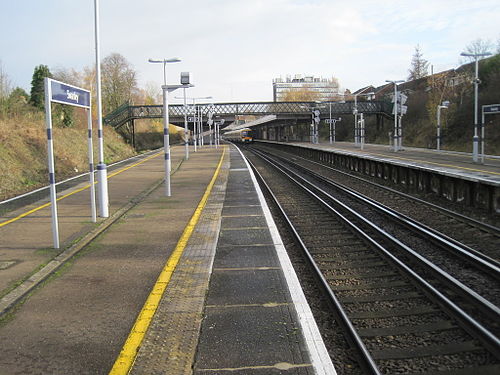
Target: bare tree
(302, 94)
(119, 82)
(70, 76)
(5, 84)
(419, 66)
(477, 46)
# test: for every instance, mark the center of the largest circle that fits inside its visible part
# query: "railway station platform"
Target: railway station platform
(459, 163)
(197, 283)
(452, 176)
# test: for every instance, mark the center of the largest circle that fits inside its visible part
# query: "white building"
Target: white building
(325, 89)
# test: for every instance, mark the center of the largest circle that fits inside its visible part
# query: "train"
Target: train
(241, 135)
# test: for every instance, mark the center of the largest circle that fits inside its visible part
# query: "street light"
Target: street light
(355, 113)
(102, 178)
(445, 105)
(396, 133)
(166, 135)
(475, 139)
(196, 124)
(164, 62)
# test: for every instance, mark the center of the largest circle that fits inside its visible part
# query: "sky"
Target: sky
(234, 48)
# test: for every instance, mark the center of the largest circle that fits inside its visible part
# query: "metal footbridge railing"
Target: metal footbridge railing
(283, 110)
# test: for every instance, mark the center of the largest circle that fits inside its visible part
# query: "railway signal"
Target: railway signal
(314, 125)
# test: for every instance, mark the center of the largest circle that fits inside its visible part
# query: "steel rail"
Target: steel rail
(367, 362)
(489, 308)
(476, 258)
(473, 327)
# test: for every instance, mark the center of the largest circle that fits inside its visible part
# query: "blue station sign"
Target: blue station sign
(491, 108)
(67, 94)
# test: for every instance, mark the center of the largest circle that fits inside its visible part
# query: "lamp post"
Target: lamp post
(475, 139)
(355, 113)
(102, 178)
(396, 133)
(438, 138)
(166, 135)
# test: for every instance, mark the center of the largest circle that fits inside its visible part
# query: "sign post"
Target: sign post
(490, 109)
(218, 124)
(59, 92)
(332, 121)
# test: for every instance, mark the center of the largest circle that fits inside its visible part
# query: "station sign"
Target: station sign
(492, 108)
(68, 94)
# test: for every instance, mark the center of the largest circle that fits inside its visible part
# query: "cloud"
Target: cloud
(234, 47)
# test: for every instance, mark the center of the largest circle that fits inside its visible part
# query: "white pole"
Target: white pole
(482, 136)
(197, 119)
(210, 134)
(312, 126)
(438, 138)
(334, 123)
(355, 120)
(215, 135)
(50, 160)
(475, 139)
(102, 177)
(91, 165)
(195, 131)
(395, 117)
(400, 133)
(186, 140)
(362, 131)
(316, 128)
(216, 129)
(200, 127)
(218, 135)
(330, 122)
(166, 141)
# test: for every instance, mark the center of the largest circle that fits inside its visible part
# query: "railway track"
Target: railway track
(403, 312)
(474, 233)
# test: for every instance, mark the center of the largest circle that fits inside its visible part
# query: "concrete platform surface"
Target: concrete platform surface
(77, 321)
(245, 319)
(197, 283)
(448, 162)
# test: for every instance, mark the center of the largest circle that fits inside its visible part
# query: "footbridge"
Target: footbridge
(230, 111)
(283, 120)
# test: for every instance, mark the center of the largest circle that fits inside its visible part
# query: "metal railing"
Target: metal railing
(281, 109)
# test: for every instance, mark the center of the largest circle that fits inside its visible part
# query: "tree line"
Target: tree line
(118, 85)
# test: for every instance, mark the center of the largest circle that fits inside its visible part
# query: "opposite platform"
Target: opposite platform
(449, 176)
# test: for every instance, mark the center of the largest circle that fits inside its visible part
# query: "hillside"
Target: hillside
(23, 152)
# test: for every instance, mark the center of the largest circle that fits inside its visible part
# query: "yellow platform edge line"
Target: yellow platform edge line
(3, 223)
(127, 356)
